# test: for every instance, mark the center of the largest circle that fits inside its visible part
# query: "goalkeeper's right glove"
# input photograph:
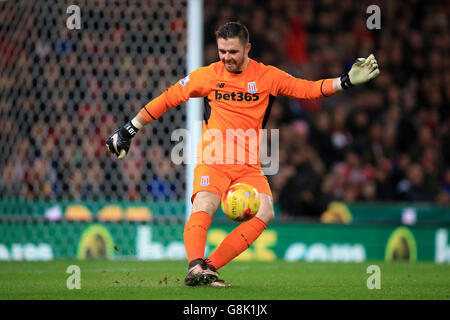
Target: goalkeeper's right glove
(362, 70)
(119, 142)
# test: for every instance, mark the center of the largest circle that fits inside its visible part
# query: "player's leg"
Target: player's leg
(242, 237)
(204, 207)
(247, 232)
(209, 184)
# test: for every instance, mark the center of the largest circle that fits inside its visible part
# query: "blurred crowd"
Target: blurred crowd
(388, 140)
(385, 141)
(65, 91)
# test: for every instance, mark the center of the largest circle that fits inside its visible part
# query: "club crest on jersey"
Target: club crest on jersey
(252, 87)
(184, 81)
(204, 181)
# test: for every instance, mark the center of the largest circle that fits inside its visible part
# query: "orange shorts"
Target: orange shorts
(217, 178)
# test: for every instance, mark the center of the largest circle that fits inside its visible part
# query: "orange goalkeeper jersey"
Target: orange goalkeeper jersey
(237, 106)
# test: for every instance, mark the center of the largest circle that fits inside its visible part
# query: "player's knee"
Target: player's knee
(267, 215)
(206, 201)
(266, 212)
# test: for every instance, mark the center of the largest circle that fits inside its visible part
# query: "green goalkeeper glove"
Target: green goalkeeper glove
(363, 70)
(119, 142)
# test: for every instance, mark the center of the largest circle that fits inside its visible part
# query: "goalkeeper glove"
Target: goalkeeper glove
(119, 142)
(362, 71)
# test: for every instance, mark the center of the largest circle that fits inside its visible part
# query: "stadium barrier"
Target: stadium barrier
(45, 231)
(337, 212)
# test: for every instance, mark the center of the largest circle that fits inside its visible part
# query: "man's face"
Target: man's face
(232, 53)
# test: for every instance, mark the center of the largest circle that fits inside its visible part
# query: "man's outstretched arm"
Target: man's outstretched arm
(362, 71)
(191, 86)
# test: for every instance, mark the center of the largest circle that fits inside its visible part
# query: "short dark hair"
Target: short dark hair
(233, 30)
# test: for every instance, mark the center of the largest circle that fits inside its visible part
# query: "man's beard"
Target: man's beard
(232, 65)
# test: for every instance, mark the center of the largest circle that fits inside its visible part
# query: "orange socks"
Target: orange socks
(233, 245)
(195, 235)
(236, 242)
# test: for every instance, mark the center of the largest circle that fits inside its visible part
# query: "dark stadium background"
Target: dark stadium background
(381, 149)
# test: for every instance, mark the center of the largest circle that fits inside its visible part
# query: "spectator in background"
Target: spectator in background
(341, 138)
(321, 138)
(160, 185)
(301, 190)
(443, 196)
(41, 179)
(131, 172)
(63, 81)
(349, 176)
(413, 186)
(296, 40)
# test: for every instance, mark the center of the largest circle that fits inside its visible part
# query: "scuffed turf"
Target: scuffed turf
(279, 280)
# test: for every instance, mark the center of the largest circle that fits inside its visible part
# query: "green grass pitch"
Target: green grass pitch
(280, 280)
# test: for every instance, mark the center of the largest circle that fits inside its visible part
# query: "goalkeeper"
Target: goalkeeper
(238, 93)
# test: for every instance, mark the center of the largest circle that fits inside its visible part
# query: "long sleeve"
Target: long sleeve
(194, 85)
(286, 85)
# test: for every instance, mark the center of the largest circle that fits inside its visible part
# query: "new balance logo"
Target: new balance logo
(220, 85)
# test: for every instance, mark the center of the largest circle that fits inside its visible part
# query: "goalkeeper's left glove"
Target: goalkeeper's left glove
(119, 142)
(363, 70)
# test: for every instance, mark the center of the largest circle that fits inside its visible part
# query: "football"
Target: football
(240, 202)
